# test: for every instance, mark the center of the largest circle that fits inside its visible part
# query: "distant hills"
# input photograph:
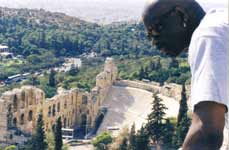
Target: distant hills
(99, 11)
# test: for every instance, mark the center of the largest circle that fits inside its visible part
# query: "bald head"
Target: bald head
(182, 15)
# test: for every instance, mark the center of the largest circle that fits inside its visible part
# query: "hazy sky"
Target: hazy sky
(104, 11)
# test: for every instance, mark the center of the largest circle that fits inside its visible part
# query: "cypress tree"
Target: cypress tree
(58, 134)
(141, 73)
(181, 131)
(52, 78)
(124, 144)
(183, 105)
(39, 137)
(183, 121)
(142, 139)
(132, 138)
(168, 135)
(155, 126)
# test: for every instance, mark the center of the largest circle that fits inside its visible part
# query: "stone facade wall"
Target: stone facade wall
(73, 106)
(23, 104)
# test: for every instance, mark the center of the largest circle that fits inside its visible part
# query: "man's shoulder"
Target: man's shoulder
(215, 23)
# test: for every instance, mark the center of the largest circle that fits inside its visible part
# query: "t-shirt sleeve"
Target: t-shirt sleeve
(209, 70)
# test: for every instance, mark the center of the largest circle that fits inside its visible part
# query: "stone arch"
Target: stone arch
(23, 99)
(58, 107)
(30, 98)
(15, 122)
(30, 115)
(54, 110)
(65, 122)
(22, 119)
(68, 122)
(84, 100)
(9, 116)
(65, 104)
(83, 124)
(49, 111)
(15, 102)
(99, 118)
(72, 99)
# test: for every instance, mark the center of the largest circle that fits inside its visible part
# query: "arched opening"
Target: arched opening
(83, 124)
(65, 122)
(22, 119)
(15, 122)
(30, 99)
(84, 100)
(49, 112)
(98, 121)
(54, 110)
(68, 122)
(23, 99)
(15, 102)
(9, 117)
(65, 104)
(30, 115)
(58, 107)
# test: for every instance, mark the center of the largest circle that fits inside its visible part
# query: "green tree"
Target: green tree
(58, 134)
(181, 131)
(183, 105)
(174, 63)
(141, 73)
(158, 63)
(132, 138)
(11, 147)
(73, 70)
(142, 139)
(39, 136)
(52, 78)
(168, 135)
(183, 122)
(155, 126)
(101, 141)
(124, 144)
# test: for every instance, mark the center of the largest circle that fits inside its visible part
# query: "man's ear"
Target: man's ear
(182, 13)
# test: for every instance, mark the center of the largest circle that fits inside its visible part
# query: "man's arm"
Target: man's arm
(206, 130)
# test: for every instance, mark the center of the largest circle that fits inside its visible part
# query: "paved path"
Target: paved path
(81, 147)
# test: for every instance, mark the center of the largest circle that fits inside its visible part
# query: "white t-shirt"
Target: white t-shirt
(208, 59)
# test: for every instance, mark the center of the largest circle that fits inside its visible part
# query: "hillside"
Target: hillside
(44, 39)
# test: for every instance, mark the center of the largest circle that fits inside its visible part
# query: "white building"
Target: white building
(3, 48)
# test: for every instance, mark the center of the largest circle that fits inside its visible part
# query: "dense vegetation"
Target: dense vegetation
(30, 34)
(45, 38)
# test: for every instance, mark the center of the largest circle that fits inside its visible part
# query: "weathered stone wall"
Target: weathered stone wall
(23, 105)
(168, 89)
(73, 106)
(152, 87)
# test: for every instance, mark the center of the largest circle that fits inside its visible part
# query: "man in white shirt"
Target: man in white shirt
(182, 25)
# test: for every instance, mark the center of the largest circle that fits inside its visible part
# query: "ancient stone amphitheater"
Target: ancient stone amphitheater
(125, 102)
